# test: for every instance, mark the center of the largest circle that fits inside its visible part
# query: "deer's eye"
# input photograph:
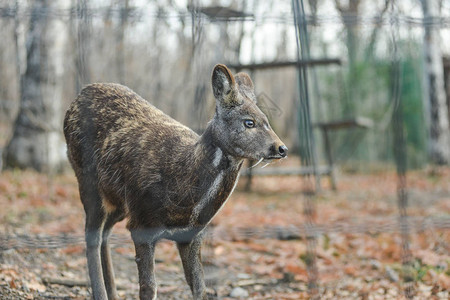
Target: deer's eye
(249, 123)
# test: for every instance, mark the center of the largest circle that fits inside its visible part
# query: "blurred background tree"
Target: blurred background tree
(36, 141)
(165, 50)
(436, 106)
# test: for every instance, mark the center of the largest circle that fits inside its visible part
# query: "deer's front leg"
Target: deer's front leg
(145, 260)
(190, 254)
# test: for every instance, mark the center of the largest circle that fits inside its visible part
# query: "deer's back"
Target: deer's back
(126, 143)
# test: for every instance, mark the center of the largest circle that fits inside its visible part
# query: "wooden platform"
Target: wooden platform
(327, 170)
(286, 171)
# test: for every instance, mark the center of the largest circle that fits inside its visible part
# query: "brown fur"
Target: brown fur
(134, 161)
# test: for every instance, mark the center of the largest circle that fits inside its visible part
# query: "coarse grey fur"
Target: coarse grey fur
(133, 161)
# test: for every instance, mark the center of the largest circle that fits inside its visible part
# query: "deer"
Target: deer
(133, 161)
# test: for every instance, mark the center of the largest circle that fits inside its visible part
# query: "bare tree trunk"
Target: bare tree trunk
(82, 43)
(241, 35)
(37, 140)
(446, 63)
(349, 14)
(374, 35)
(434, 93)
(120, 54)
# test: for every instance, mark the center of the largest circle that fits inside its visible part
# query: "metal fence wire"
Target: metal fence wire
(412, 225)
(309, 231)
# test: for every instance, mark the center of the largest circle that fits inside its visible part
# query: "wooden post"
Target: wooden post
(329, 156)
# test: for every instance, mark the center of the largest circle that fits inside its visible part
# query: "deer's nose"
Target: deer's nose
(283, 150)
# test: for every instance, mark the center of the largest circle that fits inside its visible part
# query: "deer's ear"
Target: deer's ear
(224, 85)
(244, 80)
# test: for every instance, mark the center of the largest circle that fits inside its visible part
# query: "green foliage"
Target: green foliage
(307, 258)
(413, 115)
(364, 90)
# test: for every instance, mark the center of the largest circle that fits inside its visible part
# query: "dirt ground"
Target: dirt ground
(256, 248)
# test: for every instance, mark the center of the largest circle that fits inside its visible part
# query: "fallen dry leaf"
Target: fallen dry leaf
(351, 270)
(444, 281)
(36, 286)
(76, 249)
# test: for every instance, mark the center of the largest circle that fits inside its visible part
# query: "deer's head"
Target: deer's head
(241, 129)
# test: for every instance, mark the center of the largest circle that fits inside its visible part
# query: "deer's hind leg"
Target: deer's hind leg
(107, 267)
(95, 221)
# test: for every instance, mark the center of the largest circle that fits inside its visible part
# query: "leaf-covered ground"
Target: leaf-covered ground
(256, 248)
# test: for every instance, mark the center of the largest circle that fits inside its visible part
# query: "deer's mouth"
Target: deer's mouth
(267, 160)
(271, 158)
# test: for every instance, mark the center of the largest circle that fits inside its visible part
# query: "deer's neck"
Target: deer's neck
(218, 174)
(211, 155)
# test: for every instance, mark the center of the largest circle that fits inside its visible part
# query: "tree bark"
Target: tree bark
(37, 140)
(350, 14)
(434, 92)
(82, 29)
(120, 54)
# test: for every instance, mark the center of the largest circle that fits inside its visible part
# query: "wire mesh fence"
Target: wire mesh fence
(389, 146)
(412, 225)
